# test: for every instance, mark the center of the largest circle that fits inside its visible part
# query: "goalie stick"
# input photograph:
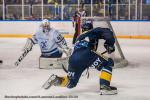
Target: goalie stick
(28, 47)
(21, 57)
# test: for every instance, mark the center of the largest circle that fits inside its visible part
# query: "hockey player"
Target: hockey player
(85, 53)
(51, 42)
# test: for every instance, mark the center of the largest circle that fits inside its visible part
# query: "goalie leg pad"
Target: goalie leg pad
(51, 63)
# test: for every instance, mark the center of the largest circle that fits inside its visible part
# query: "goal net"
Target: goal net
(117, 56)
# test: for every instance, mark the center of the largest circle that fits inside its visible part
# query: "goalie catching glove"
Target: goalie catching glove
(109, 48)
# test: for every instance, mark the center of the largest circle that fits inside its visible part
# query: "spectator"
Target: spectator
(16, 1)
(54, 9)
(50, 1)
(31, 2)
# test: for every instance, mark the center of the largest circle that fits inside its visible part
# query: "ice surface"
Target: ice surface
(133, 81)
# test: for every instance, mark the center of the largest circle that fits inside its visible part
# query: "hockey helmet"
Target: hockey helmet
(87, 26)
(45, 25)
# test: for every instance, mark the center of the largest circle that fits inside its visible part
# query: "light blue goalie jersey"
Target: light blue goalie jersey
(49, 42)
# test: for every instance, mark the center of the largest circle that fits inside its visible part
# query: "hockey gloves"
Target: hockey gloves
(109, 48)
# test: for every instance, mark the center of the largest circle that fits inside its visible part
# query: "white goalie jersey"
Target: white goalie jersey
(49, 42)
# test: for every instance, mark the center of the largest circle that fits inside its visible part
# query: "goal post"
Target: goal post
(118, 55)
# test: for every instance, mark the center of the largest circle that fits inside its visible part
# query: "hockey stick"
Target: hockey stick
(28, 47)
(62, 59)
(64, 68)
(104, 52)
(21, 57)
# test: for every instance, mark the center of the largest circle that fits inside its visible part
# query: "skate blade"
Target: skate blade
(106, 92)
(49, 82)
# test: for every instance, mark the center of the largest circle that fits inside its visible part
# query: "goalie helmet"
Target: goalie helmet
(45, 25)
(87, 26)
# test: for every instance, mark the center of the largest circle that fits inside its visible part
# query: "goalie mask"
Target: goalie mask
(45, 25)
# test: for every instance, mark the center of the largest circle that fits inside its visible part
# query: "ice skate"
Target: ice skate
(107, 90)
(53, 80)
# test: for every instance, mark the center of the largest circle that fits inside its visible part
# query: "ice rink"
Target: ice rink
(133, 81)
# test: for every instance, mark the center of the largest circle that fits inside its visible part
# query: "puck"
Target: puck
(1, 61)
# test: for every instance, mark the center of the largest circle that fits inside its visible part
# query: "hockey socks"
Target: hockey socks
(105, 78)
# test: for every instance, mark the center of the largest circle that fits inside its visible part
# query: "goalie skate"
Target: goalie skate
(53, 80)
(107, 90)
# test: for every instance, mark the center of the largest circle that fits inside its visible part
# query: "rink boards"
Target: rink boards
(25, 29)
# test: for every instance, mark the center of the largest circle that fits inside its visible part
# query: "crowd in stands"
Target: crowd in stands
(67, 1)
(53, 12)
(54, 1)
